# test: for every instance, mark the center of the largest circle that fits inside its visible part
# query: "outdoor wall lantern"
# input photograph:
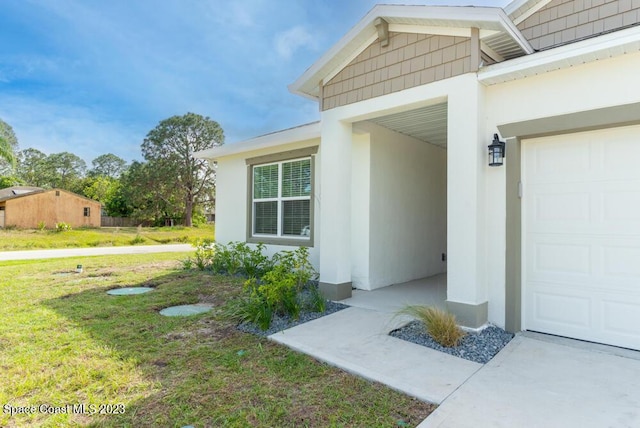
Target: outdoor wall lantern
(496, 151)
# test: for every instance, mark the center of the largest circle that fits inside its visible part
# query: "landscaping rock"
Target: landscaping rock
(279, 323)
(475, 346)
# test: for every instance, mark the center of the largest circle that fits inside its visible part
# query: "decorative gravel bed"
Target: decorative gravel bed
(479, 347)
(279, 323)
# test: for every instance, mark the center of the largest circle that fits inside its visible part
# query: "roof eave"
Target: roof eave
(306, 132)
(589, 50)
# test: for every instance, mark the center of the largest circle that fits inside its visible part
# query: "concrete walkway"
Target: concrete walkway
(93, 251)
(357, 340)
(535, 381)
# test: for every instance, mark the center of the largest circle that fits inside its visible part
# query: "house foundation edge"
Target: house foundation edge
(335, 291)
(468, 315)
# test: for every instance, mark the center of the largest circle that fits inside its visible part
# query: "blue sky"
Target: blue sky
(94, 76)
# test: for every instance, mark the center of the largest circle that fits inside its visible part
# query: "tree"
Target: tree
(6, 152)
(102, 189)
(8, 148)
(169, 149)
(33, 168)
(145, 194)
(108, 165)
(9, 181)
(68, 170)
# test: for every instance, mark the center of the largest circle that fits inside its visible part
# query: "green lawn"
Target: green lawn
(13, 239)
(64, 341)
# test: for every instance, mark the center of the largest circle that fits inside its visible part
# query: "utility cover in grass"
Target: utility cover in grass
(185, 310)
(126, 291)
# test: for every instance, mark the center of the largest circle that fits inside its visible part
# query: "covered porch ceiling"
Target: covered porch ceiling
(428, 124)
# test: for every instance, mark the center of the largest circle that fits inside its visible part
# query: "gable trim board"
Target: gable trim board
(371, 151)
(520, 10)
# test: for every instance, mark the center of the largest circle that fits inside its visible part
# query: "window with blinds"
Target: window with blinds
(282, 199)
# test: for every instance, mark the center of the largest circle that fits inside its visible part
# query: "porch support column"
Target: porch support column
(335, 208)
(466, 158)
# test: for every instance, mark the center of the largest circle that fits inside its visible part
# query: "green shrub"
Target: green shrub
(253, 263)
(137, 240)
(235, 258)
(249, 309)
(204, 254)
(273, 286)
(316, 301)
(278, 289)
(198, 218)
(440, 325)
(187, 263)
(42, 225)
(62, 227)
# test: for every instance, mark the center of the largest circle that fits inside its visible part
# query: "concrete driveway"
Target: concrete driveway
(93, 251)
(542, 381)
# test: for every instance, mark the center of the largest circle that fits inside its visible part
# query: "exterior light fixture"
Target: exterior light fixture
(496, 151)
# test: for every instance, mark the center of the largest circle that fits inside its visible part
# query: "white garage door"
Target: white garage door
(581, 235)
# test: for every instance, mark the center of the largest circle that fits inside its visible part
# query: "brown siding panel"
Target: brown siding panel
(565, 21)
(409, 60)
(29, 210)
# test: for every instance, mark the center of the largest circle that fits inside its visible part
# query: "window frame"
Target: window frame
(86, 212)
(280, 159)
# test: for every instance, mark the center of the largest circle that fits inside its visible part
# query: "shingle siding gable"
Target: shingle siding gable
(565, 21)
(409, 60)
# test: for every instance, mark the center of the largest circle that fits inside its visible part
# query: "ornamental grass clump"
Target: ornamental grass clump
(440, 325)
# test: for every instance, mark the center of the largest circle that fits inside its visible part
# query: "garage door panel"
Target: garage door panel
(621, 318)
(622, 204)
(618, 160)
(559, 310)
(568, 206)
(581, 236)
(560, 259)
(597, 318)
(548, 161)
(607, 262)
(622, 262)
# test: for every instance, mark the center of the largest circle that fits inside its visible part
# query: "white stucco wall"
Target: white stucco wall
(602, 83)
(408, 215)
(360, 210)
(231, 198)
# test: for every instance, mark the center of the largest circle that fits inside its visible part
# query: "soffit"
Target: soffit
(428, 124)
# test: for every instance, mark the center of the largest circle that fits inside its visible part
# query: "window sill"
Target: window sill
(280, 241)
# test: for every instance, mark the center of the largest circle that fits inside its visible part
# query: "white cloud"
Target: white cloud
(287, 42)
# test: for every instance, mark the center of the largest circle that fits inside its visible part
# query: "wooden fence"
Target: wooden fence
(118, 222)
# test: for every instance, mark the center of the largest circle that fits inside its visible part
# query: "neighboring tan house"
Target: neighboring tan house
(27, 207)
(395, 182)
